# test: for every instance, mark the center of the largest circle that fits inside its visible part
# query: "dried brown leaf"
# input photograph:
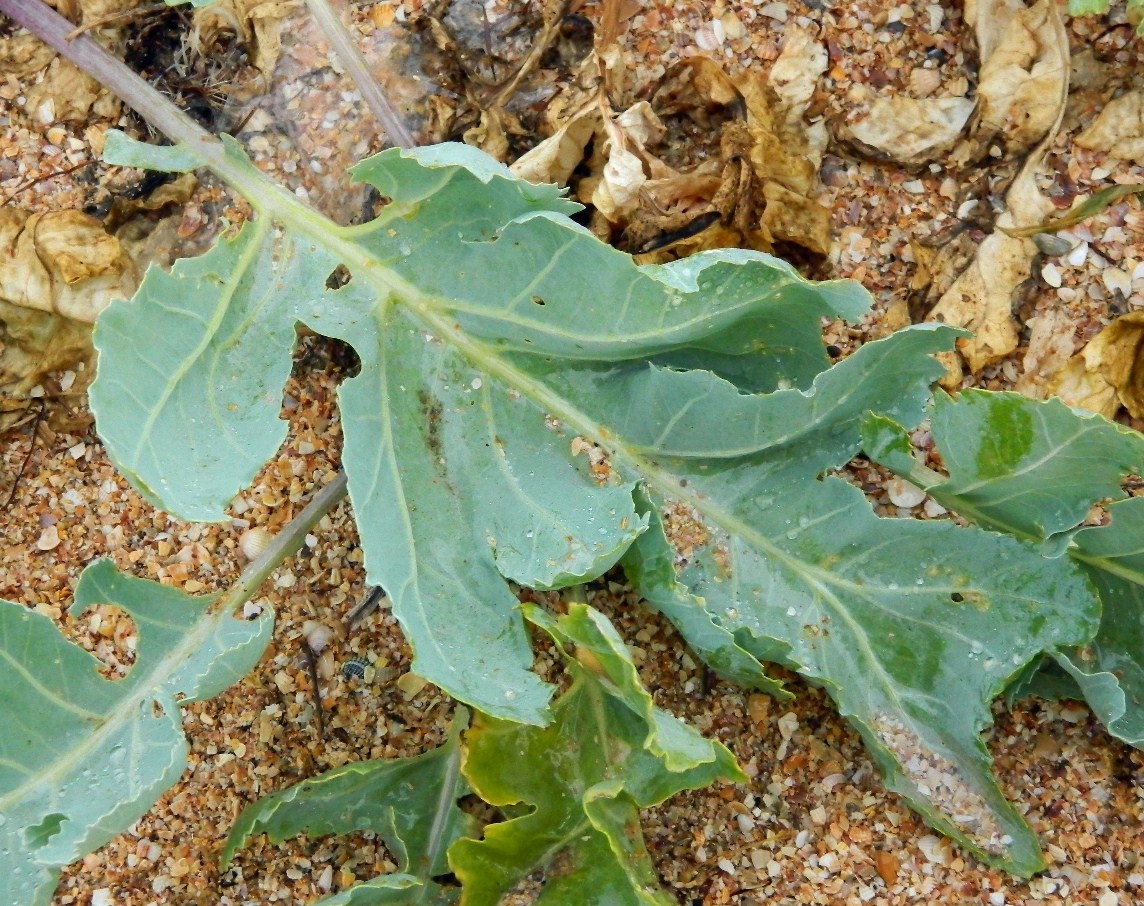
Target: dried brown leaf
(911, 131)
(57, 272)
(1023, 77)
(1119, 129)
(1051, 340)
(981, 298)
(1108, 372)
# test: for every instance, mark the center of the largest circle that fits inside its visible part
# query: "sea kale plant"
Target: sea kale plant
(500, 343)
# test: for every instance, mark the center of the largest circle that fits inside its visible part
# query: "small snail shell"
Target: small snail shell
(317, 635)
(254, 542)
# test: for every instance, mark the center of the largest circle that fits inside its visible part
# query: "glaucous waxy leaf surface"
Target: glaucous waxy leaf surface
(575, 787)
(520, 381)
(1110, 669)
(467, 298)
(411, 803)
(81, 756)
(1032, 469)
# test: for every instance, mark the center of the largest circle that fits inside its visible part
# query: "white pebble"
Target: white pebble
(1052, 275)
(788, 724)
(727, 865)
(1078, 255)
(1116, 280)
(933, 509)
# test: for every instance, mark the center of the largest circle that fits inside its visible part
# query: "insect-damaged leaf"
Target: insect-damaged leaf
(576, 786)
(461, 456)
(83, 757)
(506, 412)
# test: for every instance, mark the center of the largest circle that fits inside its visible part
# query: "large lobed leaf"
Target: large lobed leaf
(81, 756)
(520, 380)
(1035, 469)
(460, 456)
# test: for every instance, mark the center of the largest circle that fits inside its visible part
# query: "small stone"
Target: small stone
(759, 707)
(49, 539)
(1051, 274)
(1117, 281)
(886, 865)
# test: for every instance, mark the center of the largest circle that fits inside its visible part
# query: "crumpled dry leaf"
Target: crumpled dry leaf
(67, 94)
(1108, 372)
(1024, 72)
(1051, 340)
(761, 188)
(492, 131)
(260, 23)
(911, 131)
(1119, 129)
(767, 193)
(57, 272)
(1024, 66)
(981, 298)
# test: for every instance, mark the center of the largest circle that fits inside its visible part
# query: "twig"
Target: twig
(358, 70)
(28, 456)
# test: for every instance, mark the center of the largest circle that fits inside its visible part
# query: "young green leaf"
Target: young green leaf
(411, 803)
(576, 786)
(82, 757)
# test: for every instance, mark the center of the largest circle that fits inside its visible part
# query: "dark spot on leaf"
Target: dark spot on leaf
(536, 300)
(431, 410)
(957, 597)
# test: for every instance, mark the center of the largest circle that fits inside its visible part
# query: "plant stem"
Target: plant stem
(358, 70)
(285, 543)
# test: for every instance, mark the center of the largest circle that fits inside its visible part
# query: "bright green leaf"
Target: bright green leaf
(576, 786)
(82, 757)
(411, 803)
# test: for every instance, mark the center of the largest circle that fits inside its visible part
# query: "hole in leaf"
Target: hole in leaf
(109, 633)
(339, 277)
